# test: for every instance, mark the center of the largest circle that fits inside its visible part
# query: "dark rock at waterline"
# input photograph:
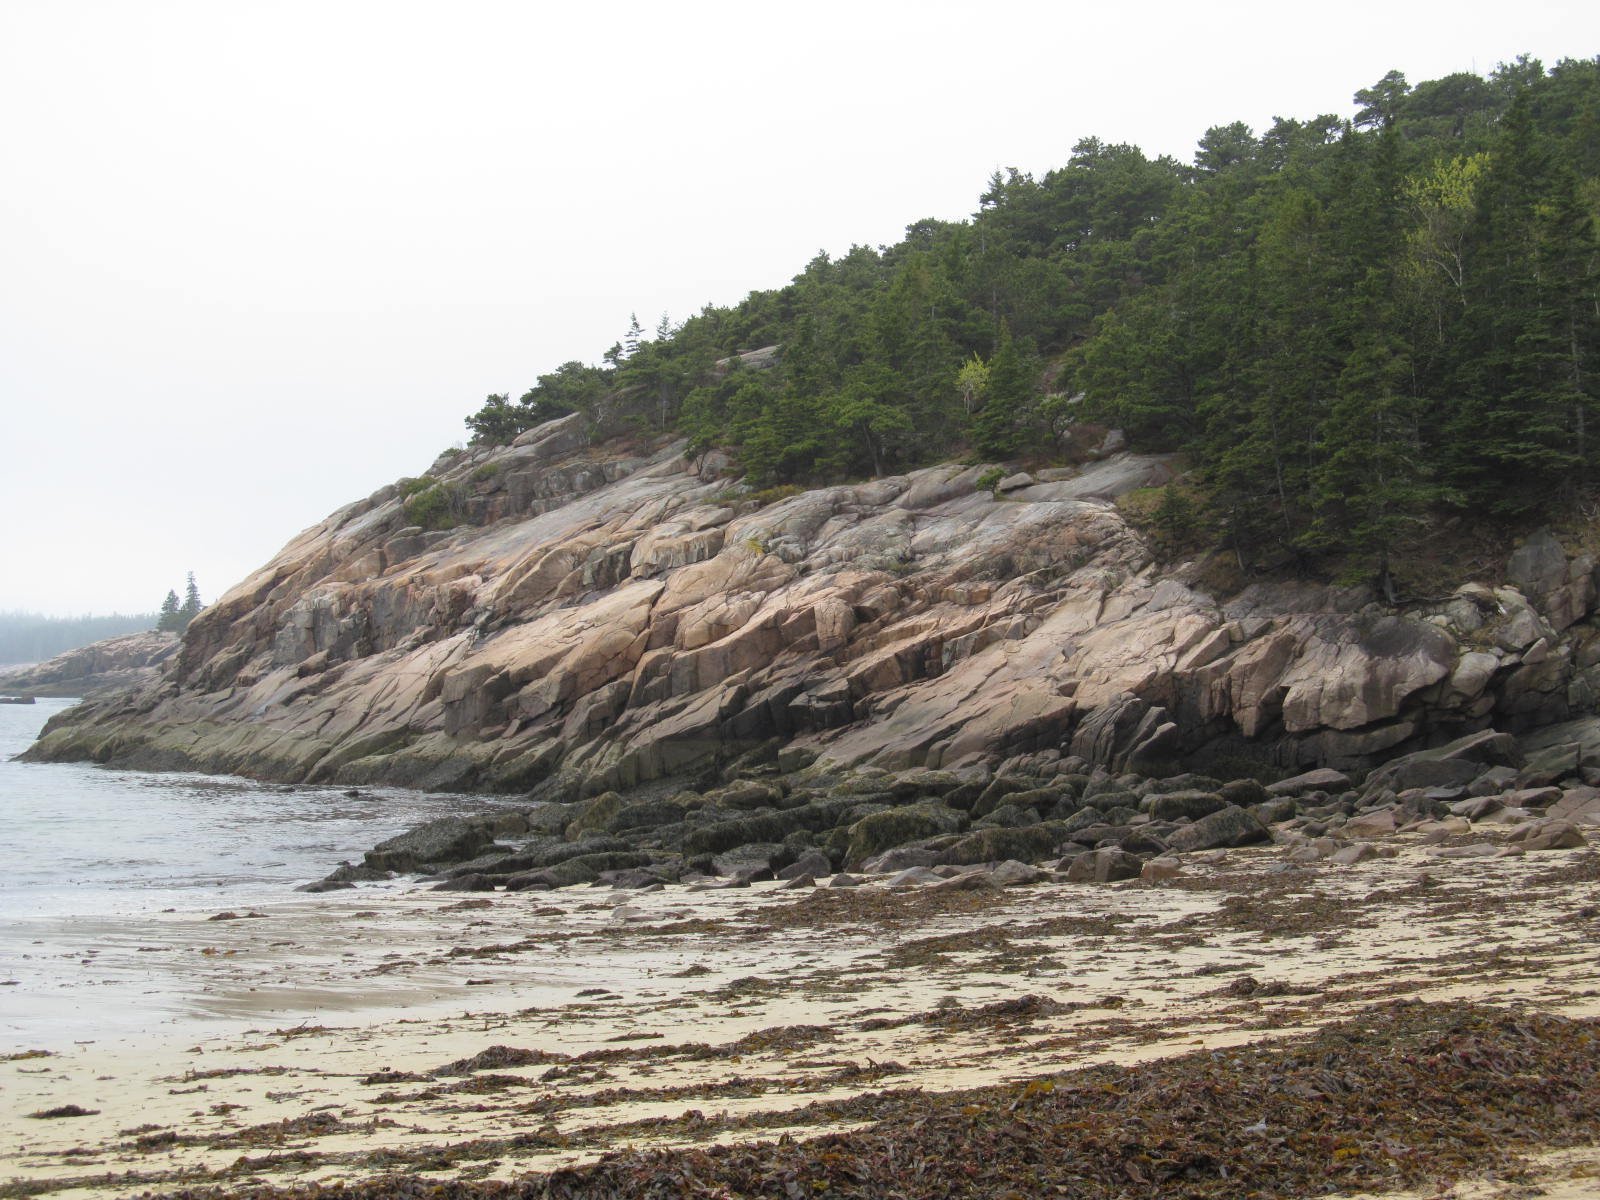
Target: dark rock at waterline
(647, 814)
(585, 868)
(466, 883)
(757, 826)
(1460, 761)
(1143, 841)
(1243, 792)
(638, 878)
(1270, 812)
(540, 852)
(443, 840)
(347, 872)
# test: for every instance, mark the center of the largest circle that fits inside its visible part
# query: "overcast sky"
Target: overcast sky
(258, 259)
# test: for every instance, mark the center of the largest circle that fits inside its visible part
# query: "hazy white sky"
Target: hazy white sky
(258, 259)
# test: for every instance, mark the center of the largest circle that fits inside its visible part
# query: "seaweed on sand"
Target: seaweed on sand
(1403, 1094)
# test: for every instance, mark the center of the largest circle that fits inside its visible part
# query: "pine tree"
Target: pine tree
(1373, 486)
(191, 603)
(169, 620)
(997, 429)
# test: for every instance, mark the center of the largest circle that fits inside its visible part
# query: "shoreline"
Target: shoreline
(335, 1020)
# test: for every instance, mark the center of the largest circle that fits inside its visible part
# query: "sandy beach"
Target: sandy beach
(352, 1035)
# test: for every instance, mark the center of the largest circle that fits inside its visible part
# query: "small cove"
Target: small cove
(84, 849)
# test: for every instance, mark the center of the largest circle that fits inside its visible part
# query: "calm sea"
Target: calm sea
(104, 876)
(83, 841)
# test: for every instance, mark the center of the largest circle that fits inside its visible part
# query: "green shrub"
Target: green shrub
(410, 487)
(486, 470)
(431, 508)
(990, 479)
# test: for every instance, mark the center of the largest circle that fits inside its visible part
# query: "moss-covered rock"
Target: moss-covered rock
(646, 814)
(445, 840)
(747, 794)
(594, 816)
(879, 831)
(1243, 792)
(1008, 816)
(911, 785)
(1231, 826)
(1029, 844)
(714, 837)
(1175, 806)
(754, 858)
(997, 792)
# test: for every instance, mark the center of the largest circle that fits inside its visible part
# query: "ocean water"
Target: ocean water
(109, 881)
(78, 840)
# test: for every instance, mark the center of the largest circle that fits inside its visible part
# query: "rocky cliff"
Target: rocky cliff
(119, 662)
(596, 619)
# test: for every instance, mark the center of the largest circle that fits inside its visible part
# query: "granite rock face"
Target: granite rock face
(604, 617)
(119, 662)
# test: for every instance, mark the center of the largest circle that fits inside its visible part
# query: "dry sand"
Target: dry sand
(316, 1041)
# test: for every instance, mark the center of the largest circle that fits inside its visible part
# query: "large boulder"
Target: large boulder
(1172, 806)
(1323, 779)
(1028, 844)
(717, 836)
(1563, 590)
(1127, 734)
(1365, 674)
(584, 868)
(1232, 826)
(1104, 866)
(1460, 761)
(881, 831)
(443, 840)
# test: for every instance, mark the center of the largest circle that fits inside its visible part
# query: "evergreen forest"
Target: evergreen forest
(1349, 327)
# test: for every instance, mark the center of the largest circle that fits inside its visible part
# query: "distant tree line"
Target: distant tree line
(175, 616)
(1349, 326)
(27, 637)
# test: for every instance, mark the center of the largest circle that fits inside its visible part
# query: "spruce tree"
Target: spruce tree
(191, 603)
(997, 429)
(169, 620)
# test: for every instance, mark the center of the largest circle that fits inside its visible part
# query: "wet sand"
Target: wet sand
(350, 1035)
